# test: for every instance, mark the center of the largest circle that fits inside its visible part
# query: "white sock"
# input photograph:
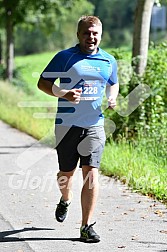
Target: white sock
(68, 201)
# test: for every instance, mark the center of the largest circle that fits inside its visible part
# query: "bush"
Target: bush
(152, 121)
(147, 123)
(149, 120)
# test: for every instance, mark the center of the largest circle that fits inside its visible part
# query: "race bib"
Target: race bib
(91, 90)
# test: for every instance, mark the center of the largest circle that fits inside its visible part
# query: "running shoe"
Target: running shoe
(88, 234)
(61, 210)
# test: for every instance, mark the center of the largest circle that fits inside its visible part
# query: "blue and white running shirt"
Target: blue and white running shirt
(91, 73)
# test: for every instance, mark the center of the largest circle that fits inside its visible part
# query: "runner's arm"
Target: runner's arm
(111, 94)
(52, 89)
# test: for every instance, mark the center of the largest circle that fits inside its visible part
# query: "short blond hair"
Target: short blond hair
(88, 20)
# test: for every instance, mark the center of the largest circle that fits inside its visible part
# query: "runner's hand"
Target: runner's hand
(73, 95)
(111, 102)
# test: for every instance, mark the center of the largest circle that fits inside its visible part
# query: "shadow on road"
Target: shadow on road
(13, 149)
(4, 236)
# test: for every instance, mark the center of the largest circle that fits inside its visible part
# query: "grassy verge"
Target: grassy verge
(139, 170)
(23, 118)
(28, 70)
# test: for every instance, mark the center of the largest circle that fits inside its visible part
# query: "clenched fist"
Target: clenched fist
(111, 102)
(73, 95)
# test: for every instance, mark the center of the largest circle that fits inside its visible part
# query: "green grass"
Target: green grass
(28, 69)
(142, 172)
(22, 118)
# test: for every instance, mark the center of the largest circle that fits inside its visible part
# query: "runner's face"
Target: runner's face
(89, 38)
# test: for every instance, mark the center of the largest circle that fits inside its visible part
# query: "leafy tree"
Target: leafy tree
(14, 12)
(117, 17)
(60, 34)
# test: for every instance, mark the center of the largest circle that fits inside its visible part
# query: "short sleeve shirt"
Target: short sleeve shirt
(91, 73)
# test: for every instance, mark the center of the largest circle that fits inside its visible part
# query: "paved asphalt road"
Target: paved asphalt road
(126, 221)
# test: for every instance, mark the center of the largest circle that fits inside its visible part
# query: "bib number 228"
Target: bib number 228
(90, 90)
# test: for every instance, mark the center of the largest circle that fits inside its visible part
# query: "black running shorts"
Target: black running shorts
(76, 143)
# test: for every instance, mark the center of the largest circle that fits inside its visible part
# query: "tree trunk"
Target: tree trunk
(141, 35)
(9, 45)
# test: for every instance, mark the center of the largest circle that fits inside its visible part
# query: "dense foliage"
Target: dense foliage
(50, 31)
(117, 17)
(148, 122)
(152, 120)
